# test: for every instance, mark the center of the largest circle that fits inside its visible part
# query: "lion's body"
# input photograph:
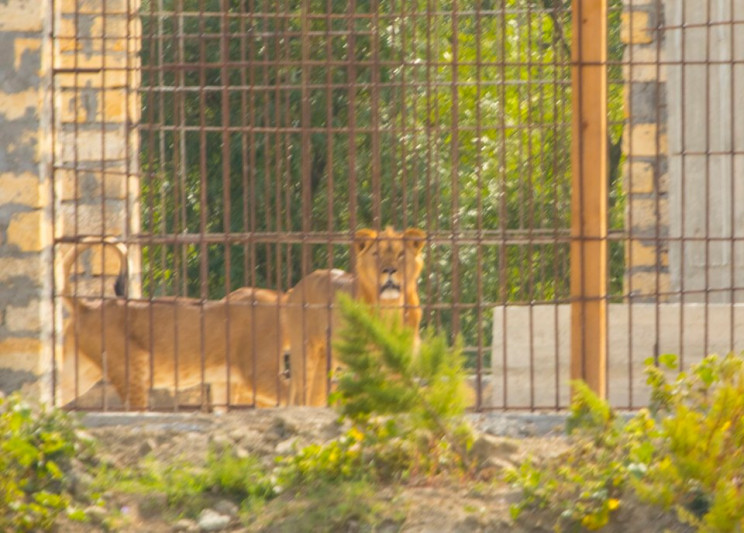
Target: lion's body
(181, 342)
(388, 265)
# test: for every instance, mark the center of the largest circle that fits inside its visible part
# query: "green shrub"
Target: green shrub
(394, 392)
(37, 447)
(190, 488)
(684, 453)
(699, 462)
(584, 485)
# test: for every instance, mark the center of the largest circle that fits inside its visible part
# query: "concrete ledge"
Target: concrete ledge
(531, 348)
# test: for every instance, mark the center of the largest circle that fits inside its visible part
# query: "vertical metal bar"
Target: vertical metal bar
(306, 147)
(707, 119)
(732, 206)
(454, 173)
(377, 221)
(530, 212)
(479, 208)
(503, 215)
(683, 195)
(351, 87)
(203, 247)
(589, 195)
(226, 192)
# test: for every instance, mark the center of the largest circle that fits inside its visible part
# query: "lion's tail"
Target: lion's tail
(120, 287)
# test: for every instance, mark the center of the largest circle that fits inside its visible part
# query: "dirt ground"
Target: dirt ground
(454, 506)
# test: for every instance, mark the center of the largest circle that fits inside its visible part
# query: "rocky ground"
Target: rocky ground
(436, 507)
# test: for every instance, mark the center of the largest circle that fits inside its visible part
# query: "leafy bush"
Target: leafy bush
(37, 448)
(684, 453)
(584, 485)
(698, 464)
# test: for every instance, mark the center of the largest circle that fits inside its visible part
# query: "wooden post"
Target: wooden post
(589, 194)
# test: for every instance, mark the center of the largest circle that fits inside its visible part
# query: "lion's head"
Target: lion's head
(388, 264)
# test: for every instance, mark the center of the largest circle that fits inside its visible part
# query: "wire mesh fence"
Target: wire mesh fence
(270, 132)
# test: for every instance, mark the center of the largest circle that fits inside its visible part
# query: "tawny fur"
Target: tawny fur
(388, 265)
(179, 342)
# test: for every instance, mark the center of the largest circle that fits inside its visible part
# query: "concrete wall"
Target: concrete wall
(706, 147)
(531, 349)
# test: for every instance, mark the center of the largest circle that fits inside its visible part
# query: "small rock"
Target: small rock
(147, 446)
(241, 453)
(227, 508)
(210, 520)
(285, 447)
(185, 525)
(487, 447)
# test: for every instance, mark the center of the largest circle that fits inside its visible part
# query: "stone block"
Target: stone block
(88, 185)
(25, 230)
(644, 63)
(645, 140)
(641, 253)
(635, 27)
(88, 219)
(644, 218)
(26, 318)
(21, 353)
(11, 267)
(16, 105)
(21, 16)
(640, 179)
(21, 189)
(22, 46)
(649, 283)
(645, 102)
(94, 7)
(90, 145)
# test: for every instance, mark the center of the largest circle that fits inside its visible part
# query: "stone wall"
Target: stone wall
(645, 171)
(68, 162)
(25, 174)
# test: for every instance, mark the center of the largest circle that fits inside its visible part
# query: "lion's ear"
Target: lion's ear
(415, 238)
(363, 238)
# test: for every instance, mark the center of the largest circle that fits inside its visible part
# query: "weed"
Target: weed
(38, 446)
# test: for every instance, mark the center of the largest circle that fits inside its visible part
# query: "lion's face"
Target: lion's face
(388, 264)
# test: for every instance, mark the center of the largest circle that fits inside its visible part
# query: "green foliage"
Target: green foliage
(584, 485)
(699, 461)
(189, 488)
(422, 387)
(686, 456)
(336, 461)
(37, 446)
(330, 507)
(405, 406)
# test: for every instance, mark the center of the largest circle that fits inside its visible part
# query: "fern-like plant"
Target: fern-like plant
(420, 389)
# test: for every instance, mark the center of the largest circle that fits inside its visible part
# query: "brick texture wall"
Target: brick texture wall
(68, 161)
(645, 171)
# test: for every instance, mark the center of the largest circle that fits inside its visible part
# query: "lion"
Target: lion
(176, 343)
(388, 265)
